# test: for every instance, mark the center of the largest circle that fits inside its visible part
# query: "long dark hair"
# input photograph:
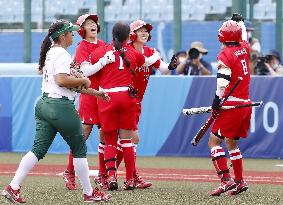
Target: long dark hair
(47, 42)
(120, 33)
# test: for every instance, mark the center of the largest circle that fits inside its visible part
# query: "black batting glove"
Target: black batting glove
(237, 17)
(132, 91)
(215, 106)
(173, 63)
(216, 103)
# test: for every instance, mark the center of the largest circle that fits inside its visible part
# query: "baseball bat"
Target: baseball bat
(201, 110)
(211, 119)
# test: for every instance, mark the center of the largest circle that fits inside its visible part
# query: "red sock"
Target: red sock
(119, 154)
(110, 152)
(70, 167)
(102, 167)
(237, 163)
(129, 157)
(135, 155)
(220, 162)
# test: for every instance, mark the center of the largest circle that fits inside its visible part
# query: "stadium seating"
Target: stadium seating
(116, 9)
(161, 10)
(265, 11)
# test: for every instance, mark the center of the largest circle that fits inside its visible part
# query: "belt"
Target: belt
(114, 90)
(56, 96)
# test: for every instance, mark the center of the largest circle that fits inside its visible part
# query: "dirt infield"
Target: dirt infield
(193, 175)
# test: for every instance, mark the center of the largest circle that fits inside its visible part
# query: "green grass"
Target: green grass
(50, 190)
(43, 190)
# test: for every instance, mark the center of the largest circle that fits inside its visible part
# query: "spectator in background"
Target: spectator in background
(193, 63)
(273, 63)
(254, 45)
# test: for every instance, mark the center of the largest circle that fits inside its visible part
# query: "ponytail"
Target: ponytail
(45, 47)
(118, 47)
(120, 33)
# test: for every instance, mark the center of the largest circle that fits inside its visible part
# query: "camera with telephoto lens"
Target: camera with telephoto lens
(260, 67)
(193, 53)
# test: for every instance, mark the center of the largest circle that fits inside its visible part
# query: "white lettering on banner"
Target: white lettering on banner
(267, 109)
(274, 107)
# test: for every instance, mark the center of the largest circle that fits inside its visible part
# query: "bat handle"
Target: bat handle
(194, 142)
(196, 139)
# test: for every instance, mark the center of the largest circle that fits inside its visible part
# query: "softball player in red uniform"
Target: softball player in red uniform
(151, 57)
(139, 36)
(88, 110)
(119, 114)
(55, 112)
(229, 126)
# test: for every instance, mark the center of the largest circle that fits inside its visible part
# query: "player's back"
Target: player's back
(237, 59)
(117, 74)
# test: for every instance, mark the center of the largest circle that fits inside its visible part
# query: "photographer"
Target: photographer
(270, 64)
(274, 63)
(194, 64)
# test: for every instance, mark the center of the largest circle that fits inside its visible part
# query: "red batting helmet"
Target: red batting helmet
(137, 25)
(230, 31)
(82, 19)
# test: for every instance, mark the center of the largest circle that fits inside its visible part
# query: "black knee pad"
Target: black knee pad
(219, 136)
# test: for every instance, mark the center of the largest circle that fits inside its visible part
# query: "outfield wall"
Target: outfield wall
(163, 129)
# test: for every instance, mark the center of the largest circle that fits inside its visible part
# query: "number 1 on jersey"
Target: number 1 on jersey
(121, 66)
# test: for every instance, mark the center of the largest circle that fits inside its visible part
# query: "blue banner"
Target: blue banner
(5, 114)
(163, 129)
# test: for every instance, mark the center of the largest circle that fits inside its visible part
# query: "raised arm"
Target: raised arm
(89, 69)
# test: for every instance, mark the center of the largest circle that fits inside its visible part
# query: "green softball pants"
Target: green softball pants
(53, 115)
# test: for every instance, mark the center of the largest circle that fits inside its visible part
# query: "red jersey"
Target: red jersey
(237, 59)
(117, 74)
(83, 52)
(143, 73)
